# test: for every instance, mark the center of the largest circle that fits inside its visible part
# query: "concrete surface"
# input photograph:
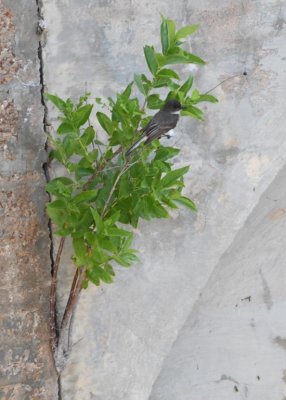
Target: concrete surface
(233, 342)
(26, 366)
(176, 326)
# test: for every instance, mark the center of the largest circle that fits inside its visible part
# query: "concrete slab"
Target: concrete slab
(127, 335)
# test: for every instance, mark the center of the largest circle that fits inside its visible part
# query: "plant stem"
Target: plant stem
(53, 295)
(124, 169)
(62, 350)
(73, 296)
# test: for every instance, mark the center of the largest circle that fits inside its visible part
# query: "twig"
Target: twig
(124, 169)
(119, 166)
(53, 294)
(100, 168)
(227, 79)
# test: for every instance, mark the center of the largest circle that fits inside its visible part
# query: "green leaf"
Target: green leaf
(69, 146)
(92, 156)
(114, 231)
(112, 219)
(127, 242)
(108, 268)
(129, 257)
(55, 155)
(85, 284)
(154, 102)
(192, 58)
(82, 115)
(106, 243)
(120, 261)
(155, 209)
(163, 167)
(61, 186)
(146, 80)
(169, 202)
(90, 237)
(104, 276)
(98, 220)
(186, 31)
(151, 59)
(187, 85)
(207, 97)
(87, 136)
(63, 232)
(171, 32)
(168, 73)
(87, 196)
(56, 210)
(193, 112)
(105, 122)
(195, 96)
(82, 171)
(127, 92)
(139, 82)
(162, 82)
(164, 37)
(171, 178)
(57, 101)
(178, 56)
(165, 153)
(186, 202)
(84, 162)
(63, 180)
(173, 86)
(93, 277)
(97, 273)
(65, 128)
(126, 258)
(80, 250)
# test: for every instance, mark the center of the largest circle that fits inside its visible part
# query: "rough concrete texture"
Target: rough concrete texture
(26, 366)
(176, 326)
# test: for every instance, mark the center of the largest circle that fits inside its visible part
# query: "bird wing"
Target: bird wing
(157, 127)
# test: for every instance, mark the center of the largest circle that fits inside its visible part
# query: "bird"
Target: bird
(162, 122)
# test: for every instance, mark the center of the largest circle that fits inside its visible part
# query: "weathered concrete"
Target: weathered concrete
(233, 342)
(129, 337)
(26, 366)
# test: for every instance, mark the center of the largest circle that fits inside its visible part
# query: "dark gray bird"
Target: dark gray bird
(162, 122)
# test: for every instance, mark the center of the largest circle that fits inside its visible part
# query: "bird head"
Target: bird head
(172, 106)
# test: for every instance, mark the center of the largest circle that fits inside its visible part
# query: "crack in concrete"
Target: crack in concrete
(40, 31)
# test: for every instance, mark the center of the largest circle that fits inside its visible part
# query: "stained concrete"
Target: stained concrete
(26, 365)
(175, 325)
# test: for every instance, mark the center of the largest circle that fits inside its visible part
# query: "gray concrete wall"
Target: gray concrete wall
(26, 365)
(175, 326)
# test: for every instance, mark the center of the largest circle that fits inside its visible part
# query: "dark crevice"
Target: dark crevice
(59, 388)
(45, 165)
(40, 33)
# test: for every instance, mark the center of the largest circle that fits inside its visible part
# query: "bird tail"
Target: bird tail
(135, 145)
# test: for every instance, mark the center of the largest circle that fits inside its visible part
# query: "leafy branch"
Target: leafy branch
(103, 190)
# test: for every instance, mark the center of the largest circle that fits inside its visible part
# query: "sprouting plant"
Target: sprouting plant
(104, 192)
